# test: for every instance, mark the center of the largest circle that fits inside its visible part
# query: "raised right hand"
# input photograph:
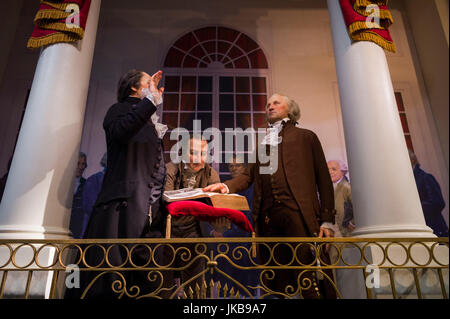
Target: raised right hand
(153, 93)
(156, 78)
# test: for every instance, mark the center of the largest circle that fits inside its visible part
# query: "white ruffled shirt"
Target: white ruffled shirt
(272, 137)
(156, 99)
(160, 128)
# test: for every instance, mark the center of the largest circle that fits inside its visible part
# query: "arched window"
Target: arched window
(404, 120)
(218, 75)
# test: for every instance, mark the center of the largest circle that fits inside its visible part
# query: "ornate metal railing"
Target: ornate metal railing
(247, 268)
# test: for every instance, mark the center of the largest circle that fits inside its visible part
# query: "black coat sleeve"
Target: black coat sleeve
(432, 200)
(122, 123)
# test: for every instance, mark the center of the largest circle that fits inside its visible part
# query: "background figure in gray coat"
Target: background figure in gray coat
(344, 223)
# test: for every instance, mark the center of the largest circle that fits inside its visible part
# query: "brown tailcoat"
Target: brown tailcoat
(307, 176)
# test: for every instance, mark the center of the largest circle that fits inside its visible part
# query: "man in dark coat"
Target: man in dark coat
(129, 204)
(430, 197)
(77, 213)
(286, 202)
(91, 189)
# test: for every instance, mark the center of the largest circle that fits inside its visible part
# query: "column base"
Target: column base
(33, 232)
(24, 273)
(395, 231)
(351, 283)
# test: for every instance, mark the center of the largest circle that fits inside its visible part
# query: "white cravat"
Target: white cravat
(273, 131)
(278, 124)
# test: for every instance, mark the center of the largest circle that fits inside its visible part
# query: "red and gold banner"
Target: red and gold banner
(59, 21)
(369, 21)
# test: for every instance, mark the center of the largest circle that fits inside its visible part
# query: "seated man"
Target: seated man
(195, 174)
(344, 223)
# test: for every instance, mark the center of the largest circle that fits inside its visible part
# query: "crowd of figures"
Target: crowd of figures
(305, 196)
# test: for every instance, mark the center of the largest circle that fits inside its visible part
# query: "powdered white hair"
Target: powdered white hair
(342, 165)
(293, 107)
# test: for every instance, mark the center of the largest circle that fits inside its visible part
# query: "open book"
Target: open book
(233, 201)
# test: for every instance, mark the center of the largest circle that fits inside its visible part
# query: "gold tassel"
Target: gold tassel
(369, 2)
(370, 36)
(51, 14)
(59, 6)
(34, 43)
(49, 19)
(361, 26)
(384, 14)
(58, 26)
(168, 225)
(360, 6)
(253, 246)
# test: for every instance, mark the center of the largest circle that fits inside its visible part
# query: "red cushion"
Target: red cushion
(208, 213)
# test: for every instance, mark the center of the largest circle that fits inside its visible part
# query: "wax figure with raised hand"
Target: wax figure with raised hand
(295, 200)
(130, 198)
(129, 204)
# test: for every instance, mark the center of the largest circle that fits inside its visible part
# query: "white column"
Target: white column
(385, 198)
(38, 195)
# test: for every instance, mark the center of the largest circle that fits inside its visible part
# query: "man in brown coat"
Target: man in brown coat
(295, 200)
